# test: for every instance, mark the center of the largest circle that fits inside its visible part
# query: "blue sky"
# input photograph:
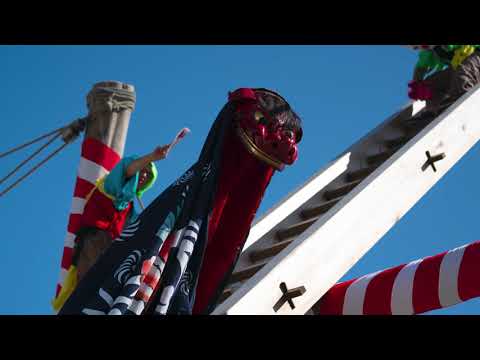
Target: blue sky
(341, 92)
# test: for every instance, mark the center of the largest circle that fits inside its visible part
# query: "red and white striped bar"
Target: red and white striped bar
(423, 285)
(97, 159)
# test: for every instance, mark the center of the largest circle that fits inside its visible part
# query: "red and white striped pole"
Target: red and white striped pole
(423, 285)
(110, 105)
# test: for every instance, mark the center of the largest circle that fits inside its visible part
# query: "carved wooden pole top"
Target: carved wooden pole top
(110, 104)
(111, 96)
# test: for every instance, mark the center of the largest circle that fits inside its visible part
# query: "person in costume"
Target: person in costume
(443, 73)
(108, 209)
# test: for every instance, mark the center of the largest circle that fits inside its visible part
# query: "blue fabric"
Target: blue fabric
(116, 185)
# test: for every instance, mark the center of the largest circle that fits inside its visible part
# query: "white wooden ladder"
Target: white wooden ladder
(302, 246)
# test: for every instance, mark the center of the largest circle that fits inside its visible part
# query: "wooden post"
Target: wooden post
(110, 105)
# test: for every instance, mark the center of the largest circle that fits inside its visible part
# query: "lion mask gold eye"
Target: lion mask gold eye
(259, 116)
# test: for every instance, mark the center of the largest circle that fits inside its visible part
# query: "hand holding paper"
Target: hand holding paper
(180, 135)
(161, 152)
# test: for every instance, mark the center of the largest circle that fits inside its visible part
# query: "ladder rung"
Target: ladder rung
(246, 273)
(380, 157)
(412, 128)
(393, 143)
(343, 190)
(315, 211)
(270, 251)
(415, 124)
(226, 294)
(294, 230)
(360, 173)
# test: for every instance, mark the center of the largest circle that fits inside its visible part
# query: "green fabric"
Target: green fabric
(150, 182)
(428, 60)
(455, 47)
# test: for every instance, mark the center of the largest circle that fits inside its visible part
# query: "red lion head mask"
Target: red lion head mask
(267, 125)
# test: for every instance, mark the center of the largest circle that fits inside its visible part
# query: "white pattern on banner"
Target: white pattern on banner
(159, 263)
(185, 282)
(146, 289)
(87, 311)
(123, 300)
(128, 299)
(134, 280)
(106, 297)
(206, 171)
(184, 178)
(195, 225)
(185, 250)
(177, 236)
(167, 294)
(129, 231)
(127, 266)
(137, 307)
(166, 228)
(190, 233)
(186, 246)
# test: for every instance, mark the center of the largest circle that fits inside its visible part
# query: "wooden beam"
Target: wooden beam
(322, 254)
(110, 104)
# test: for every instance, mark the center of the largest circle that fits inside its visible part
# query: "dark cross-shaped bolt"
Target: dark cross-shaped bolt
(288, 295)
(431, 160)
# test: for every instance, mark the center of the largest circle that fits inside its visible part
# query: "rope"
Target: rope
(29, 143)
(68, 134)
(33, 169)
(140, 202)
(29, 158)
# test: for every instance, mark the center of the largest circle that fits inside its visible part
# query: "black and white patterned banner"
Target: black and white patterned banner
(111, 285)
